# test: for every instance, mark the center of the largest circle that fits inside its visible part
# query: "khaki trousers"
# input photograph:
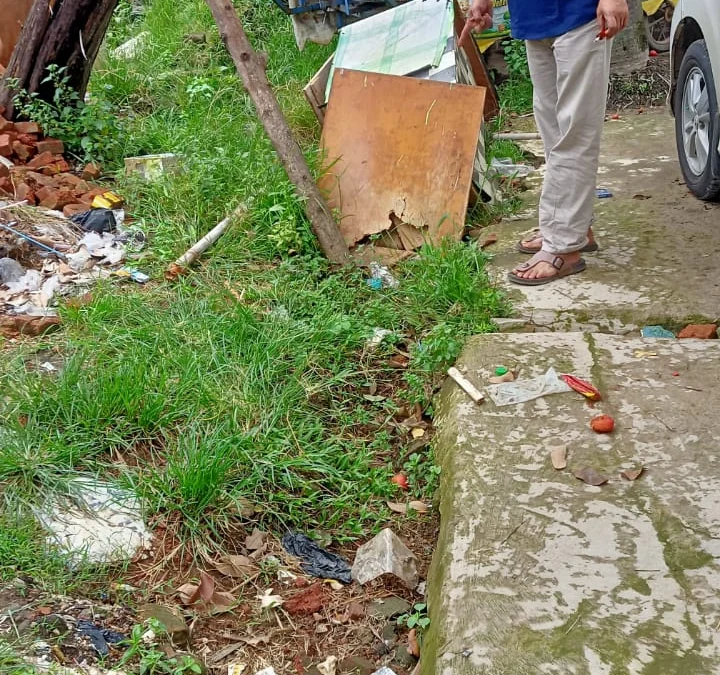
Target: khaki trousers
(570, 77)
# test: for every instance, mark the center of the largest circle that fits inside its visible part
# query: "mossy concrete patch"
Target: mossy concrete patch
(658, 261)
(536, 572)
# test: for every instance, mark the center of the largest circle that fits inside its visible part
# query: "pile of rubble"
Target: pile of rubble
(33, 169)
(59, 232)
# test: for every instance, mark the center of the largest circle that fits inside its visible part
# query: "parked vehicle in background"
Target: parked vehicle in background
(694, 95)
(658, 22)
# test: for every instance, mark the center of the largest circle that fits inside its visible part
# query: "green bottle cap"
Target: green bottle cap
(500, 371)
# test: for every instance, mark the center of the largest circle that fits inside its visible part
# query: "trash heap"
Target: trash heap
(59, 231)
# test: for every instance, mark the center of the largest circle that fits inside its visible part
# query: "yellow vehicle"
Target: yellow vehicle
(658, 21)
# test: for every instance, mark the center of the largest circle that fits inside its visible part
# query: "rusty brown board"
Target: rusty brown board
(399, 149)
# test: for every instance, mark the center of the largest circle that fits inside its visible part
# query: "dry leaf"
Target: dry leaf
(413, 645)
(397, 508)
(268, 600)
(236, 566)
(419, 507)
(633, 474)
(590, 476)
(489, 241)
(222, 601)
(236, 668)
(256, 555)
(189, 594)
(417, 432)
(558, 456)
(206, 589)
(256, 540)
(328, 666)
(335, 585)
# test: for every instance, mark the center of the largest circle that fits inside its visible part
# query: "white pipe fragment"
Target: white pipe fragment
(466, 385)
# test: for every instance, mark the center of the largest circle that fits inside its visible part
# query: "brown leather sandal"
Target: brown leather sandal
(562, 267)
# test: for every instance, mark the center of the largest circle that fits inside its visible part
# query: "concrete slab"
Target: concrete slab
(536, 572)
(660, 245)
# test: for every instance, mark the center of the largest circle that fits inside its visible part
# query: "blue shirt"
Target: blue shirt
(540, 19)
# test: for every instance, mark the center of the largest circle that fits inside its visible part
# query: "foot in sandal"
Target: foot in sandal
(545, 267)
(533, 243)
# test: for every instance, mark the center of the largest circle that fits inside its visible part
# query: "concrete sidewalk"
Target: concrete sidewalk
(537, 572)
(660, 246)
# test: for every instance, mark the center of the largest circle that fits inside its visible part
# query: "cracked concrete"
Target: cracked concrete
(535, 571)
(659, 245)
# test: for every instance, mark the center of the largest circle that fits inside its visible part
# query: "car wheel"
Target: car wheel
(697, 123)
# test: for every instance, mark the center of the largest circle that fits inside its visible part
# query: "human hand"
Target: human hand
(612, 15)
(480, 15)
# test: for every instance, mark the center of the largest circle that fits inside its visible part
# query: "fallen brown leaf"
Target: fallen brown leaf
(413, 644)
(236, 566)
(419, 507)
(397, 507)
(256, 540)
(489, 241)
(590, 476)
(189, 594)
(633, 474)
(206, 596)
(398, 361)
(558, 456)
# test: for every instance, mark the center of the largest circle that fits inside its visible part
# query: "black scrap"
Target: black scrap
(96, 220)
(100, 637)
(316, 560)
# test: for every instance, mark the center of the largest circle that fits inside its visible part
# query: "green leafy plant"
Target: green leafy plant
(90, 131)
(423, 474)
(418, 618)
(516, 59)
(440, 348)
(143, 650)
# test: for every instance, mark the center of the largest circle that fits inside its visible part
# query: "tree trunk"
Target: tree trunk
(630, 48)
(251, 67)
(67, 33)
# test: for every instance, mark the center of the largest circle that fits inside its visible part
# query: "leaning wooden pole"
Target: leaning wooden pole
(252, 68)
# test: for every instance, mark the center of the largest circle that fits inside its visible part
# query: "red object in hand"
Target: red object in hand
(653, 53)
(602, 424)
(400, 479)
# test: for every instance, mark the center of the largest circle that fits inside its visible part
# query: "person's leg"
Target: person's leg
(543, 72)
(566, 203)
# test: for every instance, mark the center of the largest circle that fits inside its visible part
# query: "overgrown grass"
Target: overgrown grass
(245, 393)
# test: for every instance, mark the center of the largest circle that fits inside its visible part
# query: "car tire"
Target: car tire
(697, 123)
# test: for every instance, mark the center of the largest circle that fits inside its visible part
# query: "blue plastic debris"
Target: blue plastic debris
(656, 332)
(603, 193)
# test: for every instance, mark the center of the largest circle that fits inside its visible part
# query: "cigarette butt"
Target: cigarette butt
(465, 385)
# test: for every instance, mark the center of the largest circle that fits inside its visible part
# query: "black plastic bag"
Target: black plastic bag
(316, 560)
(100, 637)
(96, 220)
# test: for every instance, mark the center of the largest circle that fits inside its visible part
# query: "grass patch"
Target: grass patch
(245, 394)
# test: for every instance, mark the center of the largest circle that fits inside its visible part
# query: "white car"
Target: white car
(695, 93)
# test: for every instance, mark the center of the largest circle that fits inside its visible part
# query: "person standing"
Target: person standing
(569, 44)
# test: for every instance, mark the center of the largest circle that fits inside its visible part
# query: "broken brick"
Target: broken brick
(23, 152)
(34, 179)
(70, 180)
(23, 192)
(706, 331)
(28, 139)
(313, 599)
(6, 125)
(13, 326)
(6, 149)
(56, 200)
(42, 160)
(91, 172)
(52, 145)
(27, 128)
(74, 209)
(6, 186)
(56, 167)
(4, 171)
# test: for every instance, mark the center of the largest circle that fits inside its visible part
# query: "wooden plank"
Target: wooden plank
(400, 145)
(481, 76)
(315, 90)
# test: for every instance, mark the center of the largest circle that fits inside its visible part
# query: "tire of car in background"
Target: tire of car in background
(697, 123)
